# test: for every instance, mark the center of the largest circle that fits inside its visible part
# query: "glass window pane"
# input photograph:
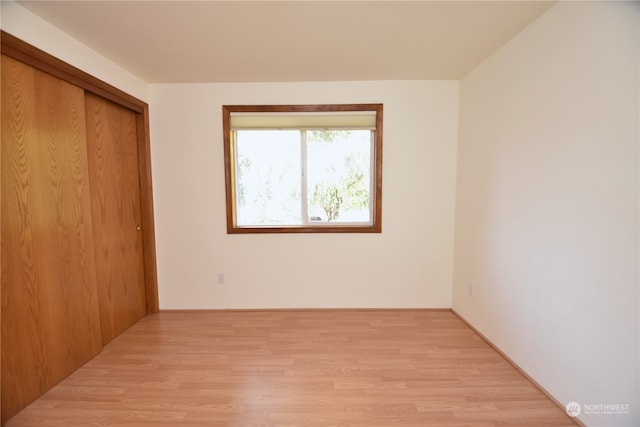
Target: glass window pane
(268, 177)
(338, 175)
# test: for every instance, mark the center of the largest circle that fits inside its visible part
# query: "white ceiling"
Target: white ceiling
(232, 41)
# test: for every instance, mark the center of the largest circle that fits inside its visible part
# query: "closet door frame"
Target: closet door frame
(17, 49)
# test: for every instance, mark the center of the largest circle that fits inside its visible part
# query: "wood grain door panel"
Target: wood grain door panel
(113, 170)
(50, 323)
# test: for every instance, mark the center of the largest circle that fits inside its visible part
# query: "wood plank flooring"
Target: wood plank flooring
(296, 368)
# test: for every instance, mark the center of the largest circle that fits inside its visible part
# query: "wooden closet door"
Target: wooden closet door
(115, 189)
(50, 324)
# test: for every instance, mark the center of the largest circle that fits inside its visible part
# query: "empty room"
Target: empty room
(320, 213)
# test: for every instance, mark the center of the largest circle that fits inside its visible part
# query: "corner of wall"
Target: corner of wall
(547, 225)
(22, 23)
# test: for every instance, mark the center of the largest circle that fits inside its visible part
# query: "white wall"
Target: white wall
(21, 23)
(547, 216)
(408, 265)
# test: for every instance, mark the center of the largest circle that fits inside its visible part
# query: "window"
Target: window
(303, 168)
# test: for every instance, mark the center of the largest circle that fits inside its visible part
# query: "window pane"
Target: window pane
(338, 175)
(268, 177)
(319, 175)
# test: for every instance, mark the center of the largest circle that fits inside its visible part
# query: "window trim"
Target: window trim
(229, 164)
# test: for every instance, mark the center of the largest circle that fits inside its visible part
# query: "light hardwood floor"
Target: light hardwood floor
(296, 368)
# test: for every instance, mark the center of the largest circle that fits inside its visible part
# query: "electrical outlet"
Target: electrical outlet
(220, 278)
(470, 289)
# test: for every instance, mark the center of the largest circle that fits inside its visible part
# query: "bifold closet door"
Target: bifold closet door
(50, 316)
(115, 199)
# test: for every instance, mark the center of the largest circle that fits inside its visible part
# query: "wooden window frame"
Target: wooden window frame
(232, 228)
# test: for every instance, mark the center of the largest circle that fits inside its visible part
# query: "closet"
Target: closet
(77, 241)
